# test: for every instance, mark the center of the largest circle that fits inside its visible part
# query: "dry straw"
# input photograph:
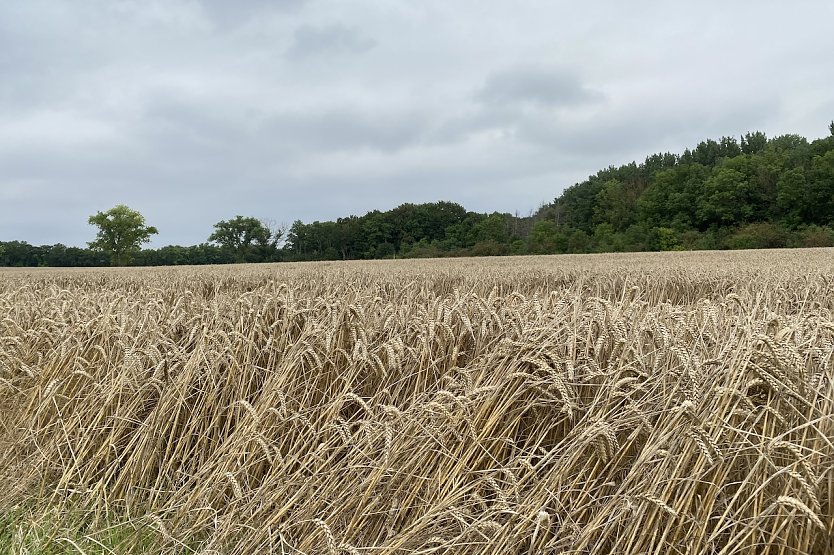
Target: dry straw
(657, 403)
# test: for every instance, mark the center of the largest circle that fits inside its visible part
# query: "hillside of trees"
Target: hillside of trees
(753, 192)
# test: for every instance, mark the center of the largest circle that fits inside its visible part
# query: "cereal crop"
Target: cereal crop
(635, 404)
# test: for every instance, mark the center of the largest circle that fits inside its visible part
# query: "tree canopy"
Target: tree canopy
(121, 232)
(246, 237)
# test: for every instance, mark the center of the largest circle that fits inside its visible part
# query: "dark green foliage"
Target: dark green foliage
(248, 239)
(21, 253)
(751, 143)
(762, 235)
(756, 193)
(409, 229)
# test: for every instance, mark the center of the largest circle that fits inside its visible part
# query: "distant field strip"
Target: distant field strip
(635, 404)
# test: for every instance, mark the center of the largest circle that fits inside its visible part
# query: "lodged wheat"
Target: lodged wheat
(654, 403)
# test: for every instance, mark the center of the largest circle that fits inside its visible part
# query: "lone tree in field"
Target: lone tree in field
(244, 236)
(121, 231)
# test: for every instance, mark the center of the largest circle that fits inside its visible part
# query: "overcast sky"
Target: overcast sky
(194, 111)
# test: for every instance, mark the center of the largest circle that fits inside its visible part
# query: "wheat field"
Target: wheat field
(637, 404)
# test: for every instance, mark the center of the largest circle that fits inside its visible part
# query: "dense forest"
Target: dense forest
(753, 192)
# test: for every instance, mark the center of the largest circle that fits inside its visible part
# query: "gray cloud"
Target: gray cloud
(192, 111)
(550, 87)
(310, 41)
(236, 11)
(344, 129)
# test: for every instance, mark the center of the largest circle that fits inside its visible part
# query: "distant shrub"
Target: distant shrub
(764, 235)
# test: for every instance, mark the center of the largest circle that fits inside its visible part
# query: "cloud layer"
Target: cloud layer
(192, 111)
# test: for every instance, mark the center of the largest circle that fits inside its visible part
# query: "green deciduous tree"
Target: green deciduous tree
(616, 204)
(245, 236)
(547, 238)
(726, 198)
(793, 201)
(121, 232)
(821, 185)
(666, 239)
(672, 197)
(751, 143)
(491, 228)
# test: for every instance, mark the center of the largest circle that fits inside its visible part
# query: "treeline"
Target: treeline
(753, 192)
(409, 230)
(20, 253)
(727, 194)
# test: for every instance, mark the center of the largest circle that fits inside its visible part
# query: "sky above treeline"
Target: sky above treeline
(194, 111)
